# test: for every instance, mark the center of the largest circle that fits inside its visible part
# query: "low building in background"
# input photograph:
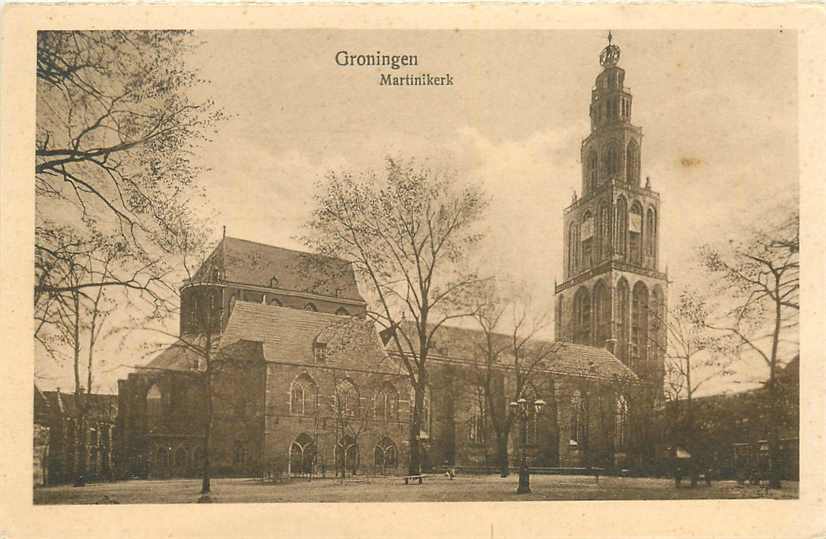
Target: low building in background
(74, 436)
(732, 429)
(40, 441)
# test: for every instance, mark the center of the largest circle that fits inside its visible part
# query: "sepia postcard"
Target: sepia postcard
(338, 271)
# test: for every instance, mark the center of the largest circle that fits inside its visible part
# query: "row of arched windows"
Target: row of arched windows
(272, 300)
(346, 401)
(611, 164)
(638, 318)
(634, 237)
(303, 455)
(165, 461)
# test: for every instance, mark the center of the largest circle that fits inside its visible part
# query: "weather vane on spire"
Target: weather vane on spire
(610, 55)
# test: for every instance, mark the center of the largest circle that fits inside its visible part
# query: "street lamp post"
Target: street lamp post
(520, 408)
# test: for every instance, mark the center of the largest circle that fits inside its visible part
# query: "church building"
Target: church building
(303, 383)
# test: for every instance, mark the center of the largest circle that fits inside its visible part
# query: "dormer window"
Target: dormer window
(273, 282)
(311, 307)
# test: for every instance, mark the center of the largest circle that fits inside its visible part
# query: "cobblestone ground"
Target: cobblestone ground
(392, 489)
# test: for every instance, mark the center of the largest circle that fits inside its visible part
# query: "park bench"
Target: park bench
(410, 478)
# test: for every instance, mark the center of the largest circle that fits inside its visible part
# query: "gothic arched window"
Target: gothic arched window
(622, 319)
(386, 403)
(612, 159)
(582, 316)
(586, 232)
(635, 234)
(622, 224)
(602, 311)
(303, 395)
(477, 422)
(346, 455)
(639, 323)
(347, 399)
(573, 248)
(302, 455)
(593, 170)
(621, 424)
(385, 455)
(632, 162)
(651, 235)
(604, 236)
(656, 316)
(579, 419)
(154, 407)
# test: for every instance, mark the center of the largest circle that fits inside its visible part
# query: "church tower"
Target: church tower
(613, 293)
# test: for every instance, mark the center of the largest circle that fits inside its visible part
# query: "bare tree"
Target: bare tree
(758, 278)
(114, 180)
(408, 235)
(72, 322)
(115, 134)
(519, 354)
(201, 337)
(351, 419)
(694, 356)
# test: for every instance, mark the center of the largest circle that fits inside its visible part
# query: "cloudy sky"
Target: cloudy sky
(718, 111)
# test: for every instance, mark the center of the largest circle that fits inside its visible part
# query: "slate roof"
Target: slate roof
(273, 333)
(463, 344)
(178, 356)
(289, 335)
(252, 263)
(100, 407)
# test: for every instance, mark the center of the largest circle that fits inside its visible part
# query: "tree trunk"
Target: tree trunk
(205, 481)
(691, 434)
(774, 435)
(80, 438)
(502, 453)
(414, 464)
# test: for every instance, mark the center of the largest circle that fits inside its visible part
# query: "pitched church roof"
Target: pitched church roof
(179, 356)
(258, 264)
(274, 333)
(564, 358)
(289, 335)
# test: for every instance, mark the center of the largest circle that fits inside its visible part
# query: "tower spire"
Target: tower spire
(610, 55)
